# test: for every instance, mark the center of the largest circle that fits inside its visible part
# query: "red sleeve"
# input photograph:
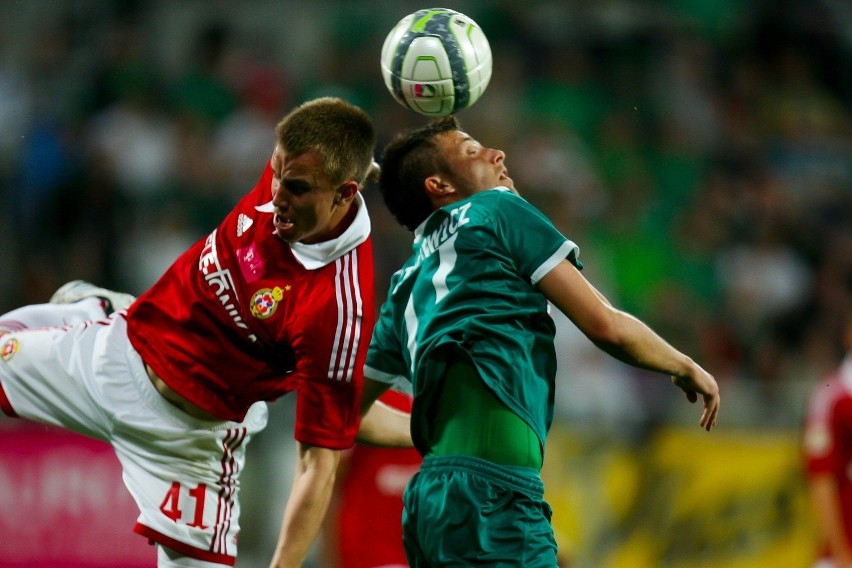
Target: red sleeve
(332, 350)
(398, 400)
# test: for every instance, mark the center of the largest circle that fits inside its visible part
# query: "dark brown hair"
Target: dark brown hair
(407, 161)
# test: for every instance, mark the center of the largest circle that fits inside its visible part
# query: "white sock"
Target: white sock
(52, 315)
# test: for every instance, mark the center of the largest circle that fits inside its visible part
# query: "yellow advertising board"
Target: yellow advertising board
(681, 499)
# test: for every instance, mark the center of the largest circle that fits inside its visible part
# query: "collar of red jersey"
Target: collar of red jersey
(318, 255)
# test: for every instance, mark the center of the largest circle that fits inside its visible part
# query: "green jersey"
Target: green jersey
(469, 291)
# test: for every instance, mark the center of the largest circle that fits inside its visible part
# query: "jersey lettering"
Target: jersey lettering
(447, 259)
(447, 255)
(223, 282)
(170, 506)
(411, 331)
(199, 494)
(435, 240)
(448, 228)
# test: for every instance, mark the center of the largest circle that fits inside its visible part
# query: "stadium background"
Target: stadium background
(700, 153)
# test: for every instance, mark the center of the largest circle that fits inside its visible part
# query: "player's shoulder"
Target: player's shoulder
(832, 390)
(504, 205)
(505, 197)
(499, 193)
(494, 207)
(493, 200)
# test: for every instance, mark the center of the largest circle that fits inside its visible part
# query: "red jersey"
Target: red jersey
(369, 528)
(828, 436)
(243, 316)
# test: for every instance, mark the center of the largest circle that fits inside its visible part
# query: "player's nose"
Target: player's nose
(280, 197)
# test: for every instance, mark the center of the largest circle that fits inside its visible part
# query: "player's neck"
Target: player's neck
(345, 222)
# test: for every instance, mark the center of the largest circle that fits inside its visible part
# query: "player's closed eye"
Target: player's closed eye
(295, 187)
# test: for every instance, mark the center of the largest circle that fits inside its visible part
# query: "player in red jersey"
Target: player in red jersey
(277, 299)
(371, 480)
(827, 445)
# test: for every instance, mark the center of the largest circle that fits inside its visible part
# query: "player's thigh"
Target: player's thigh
(46, 375)
(184, 474)
(460, 518)
(411, 520)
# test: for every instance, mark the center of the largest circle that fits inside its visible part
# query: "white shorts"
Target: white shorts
(182, 472)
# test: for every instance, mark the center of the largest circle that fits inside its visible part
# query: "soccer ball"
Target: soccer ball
(436, 61)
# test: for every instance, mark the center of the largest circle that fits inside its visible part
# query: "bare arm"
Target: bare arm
(626, 338)
(382, 425)
(307, 504)
(823, 491)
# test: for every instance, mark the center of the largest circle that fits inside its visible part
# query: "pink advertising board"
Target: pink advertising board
(62, 503)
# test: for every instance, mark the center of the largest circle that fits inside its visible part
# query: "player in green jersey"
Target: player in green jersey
(466, 322)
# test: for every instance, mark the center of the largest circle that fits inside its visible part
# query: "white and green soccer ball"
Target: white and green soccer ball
(436, 61)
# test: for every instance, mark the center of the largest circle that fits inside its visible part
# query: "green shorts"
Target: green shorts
(465, 511)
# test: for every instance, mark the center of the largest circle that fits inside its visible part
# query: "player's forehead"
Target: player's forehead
(305, 165)
(456, 141)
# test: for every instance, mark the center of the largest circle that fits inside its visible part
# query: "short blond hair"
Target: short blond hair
(343, 134)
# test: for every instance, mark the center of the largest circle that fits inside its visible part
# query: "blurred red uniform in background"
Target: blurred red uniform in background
(364, 528)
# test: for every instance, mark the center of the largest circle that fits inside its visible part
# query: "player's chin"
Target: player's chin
(287, 235)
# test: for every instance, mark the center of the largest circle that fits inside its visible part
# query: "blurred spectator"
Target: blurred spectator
(136, 139)
(701, 152)
(761, 278)
(263, 93)
(595, 389)
(202, 93)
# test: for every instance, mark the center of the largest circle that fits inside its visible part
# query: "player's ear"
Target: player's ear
(438, 186)
(347, 191)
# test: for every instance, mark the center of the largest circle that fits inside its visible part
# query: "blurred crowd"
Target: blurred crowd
(699, 153)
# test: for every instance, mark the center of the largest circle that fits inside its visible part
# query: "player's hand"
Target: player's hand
(702, 383)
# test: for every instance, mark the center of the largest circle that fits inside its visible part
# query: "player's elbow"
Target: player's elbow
(604, 330)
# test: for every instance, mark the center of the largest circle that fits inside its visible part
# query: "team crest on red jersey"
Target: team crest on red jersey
(9, 349)
(264, 302)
